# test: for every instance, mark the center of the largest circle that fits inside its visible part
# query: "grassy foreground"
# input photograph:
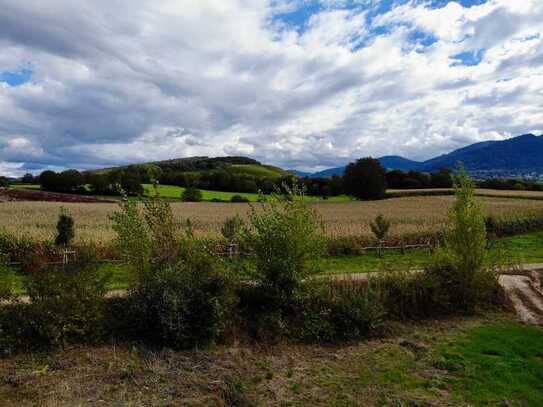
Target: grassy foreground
(455, 362)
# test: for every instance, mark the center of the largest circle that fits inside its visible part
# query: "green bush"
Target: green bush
(183, 304)
(338, 312)
(232, 228)
(285, 238)
(239, 199)
(462, 266)
(65, 229)
(380, 227)
(147, 236)
(66, 303)
(191, 194)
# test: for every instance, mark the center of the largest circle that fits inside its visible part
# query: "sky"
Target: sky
(302, 84)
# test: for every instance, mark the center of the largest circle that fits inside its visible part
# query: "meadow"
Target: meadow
(410, 215)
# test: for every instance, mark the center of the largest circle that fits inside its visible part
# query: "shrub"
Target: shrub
(461, 269)
(191, 194)
(161, 227)
(239, 198)
(133, 240)
(6, 284)
(285, 238)
(186, 303)
(232, 228)
(336, 312)
(380, 227)
(66, 303)
(344, 245)
(65, 229)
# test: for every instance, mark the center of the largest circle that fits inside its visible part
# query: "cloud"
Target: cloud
(116, 82)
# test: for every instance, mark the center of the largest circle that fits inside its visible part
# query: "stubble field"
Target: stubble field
(408, 215)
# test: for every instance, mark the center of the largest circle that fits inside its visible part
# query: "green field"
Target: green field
(257, 170)
(173, 192)
(25, 186)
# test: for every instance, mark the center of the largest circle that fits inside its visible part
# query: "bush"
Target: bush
(65, 229)
(285, 239)
(184, 304)
(232, 228)
(239, 198)
(343, 311)
(461, 271)
(380, 227)
(133, 238)
(191, 194)
(66, 303)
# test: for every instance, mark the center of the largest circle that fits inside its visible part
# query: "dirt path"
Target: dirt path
(525, 295)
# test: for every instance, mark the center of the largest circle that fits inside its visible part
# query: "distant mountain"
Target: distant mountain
(523, 153)
(330, 172)
(517, 155)
(394, 162)
(300, 173)
(391, 162)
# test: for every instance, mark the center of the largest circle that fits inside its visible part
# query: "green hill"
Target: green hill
(199, 165)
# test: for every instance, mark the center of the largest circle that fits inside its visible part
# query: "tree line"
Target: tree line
(365, 179)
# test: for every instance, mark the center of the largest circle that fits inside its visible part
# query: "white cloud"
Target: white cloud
(120, 81)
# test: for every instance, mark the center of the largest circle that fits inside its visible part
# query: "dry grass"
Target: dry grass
(408, 215)
(479, 192)
(386, 371)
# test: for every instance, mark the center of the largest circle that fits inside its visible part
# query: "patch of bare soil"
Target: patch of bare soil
(525, 296)
(9, 194)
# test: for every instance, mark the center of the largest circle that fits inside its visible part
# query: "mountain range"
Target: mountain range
(517, 155)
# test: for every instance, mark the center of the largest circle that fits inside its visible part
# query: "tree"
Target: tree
(442, 178)
(380, 227)
(365, 179)
(395, 179)
(4, 182)
(65, 229)
(27, 178)
(70, 181)
(48, 180)
(191, 194)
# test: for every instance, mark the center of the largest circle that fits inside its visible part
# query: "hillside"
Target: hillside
(517, 155)
(394, 162)
(522, 153)
(193, 165)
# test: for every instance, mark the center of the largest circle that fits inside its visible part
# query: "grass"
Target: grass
(471, 361)
(173, 192)
(257, 170)
(25, 186)
(497, 364)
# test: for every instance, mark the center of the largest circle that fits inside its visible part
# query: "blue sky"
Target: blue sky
(296, 83)
(16, 78)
